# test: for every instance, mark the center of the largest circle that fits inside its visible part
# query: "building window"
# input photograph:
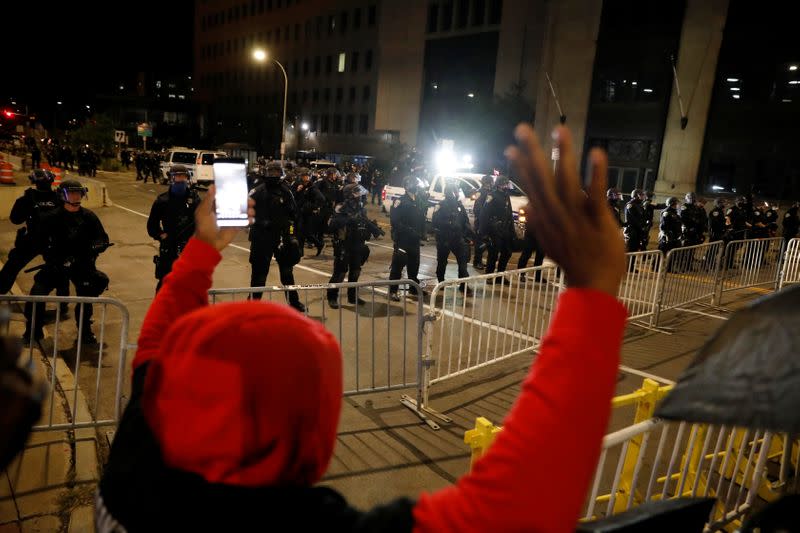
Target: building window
(339, 95)
(244, 11)
(319, 27)
(293, 97)
(368, 60)
(342, 61)
(295, 68)
(317, 63)
(228, 47)
(478, 16)
(447, 15)
(305, 67)
(308, 29)
(337, 123)
(363, 124)
(277, 34)
(371, 15)
(314, 122)
(297, 32)
(354, 62)
(327, 95)
(324, 123)
(352, 95)
(269, 5)
(269, 35)
(305, 96)
(357, 18)
(495, 11)
(287, 34)
(343, 21)
(260, 6)
(328, 64)
(365, 93)
(315, 96)
(331, 24)
(348, 124)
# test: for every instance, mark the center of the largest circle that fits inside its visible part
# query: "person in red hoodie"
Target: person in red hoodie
(234, 408)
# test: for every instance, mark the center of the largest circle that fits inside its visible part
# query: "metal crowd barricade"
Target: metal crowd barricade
(84, 382)
(689, 274)
(482, 320)
(790, 268)
(639, 289)
(655, 460)
(750, 263)
(381, 341)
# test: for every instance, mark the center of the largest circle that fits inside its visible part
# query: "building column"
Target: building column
(568, 52)
(701, 37)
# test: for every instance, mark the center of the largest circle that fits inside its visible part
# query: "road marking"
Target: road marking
(131, 211)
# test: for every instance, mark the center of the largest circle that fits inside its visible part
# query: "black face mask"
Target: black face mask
(43, 186)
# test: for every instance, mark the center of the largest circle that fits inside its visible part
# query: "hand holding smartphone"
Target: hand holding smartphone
(230, 179)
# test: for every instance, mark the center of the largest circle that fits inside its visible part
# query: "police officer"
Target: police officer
(487, 182)
(139, 163)
(771, 221)
(329, 188)
(791, 223)
(758, 228)
(649, 210)
(29, 209)
(635, 222)
(613, 197)
(408, 228)
(530, 246)
(716, 221)
(497, 224)
(669, 236)
(71, 238)
(451, 225)
(310, 203)
(273, 233)
(693, 221)
(350, 228)
(171, 220)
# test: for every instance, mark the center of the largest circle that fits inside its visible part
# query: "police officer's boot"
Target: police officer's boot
(351, 297)
(87, 336)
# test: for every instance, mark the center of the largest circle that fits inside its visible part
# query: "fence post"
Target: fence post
(645, 408)
(721, 273)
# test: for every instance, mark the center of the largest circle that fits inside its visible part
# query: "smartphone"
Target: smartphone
(230, 180)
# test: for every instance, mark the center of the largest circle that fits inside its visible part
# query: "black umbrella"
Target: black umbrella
(748, 373)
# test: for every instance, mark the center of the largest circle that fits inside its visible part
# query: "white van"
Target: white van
(199, 163)
(204, 169)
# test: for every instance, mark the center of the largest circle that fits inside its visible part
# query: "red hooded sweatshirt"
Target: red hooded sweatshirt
(246, 396)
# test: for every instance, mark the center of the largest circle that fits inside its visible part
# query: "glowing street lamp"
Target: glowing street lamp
(260, 56)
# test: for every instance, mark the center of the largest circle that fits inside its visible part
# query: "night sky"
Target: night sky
(59, 51)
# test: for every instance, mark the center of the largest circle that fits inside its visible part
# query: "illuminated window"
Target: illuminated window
(342, 58)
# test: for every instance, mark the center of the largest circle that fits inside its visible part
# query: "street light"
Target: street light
(261, 56)
(304, 126)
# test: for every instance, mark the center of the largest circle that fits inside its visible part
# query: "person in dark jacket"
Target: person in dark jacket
(273, 234)
(497, 225)
(487, 182)
(452, 230)
(310, 203)
(328, 187)
(28, 209)
(408, 228)
(791, 223)
(635, 222)
(716, 221)
(649, 211)
(736, 220)
(350, 228)
(171, 221)
(530, 247)
(771, 221)
(693, 221)
(669, 236)
(613, 197)
(71, 237)
(237, 420)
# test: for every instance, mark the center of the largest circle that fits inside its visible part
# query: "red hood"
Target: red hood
(246, 394)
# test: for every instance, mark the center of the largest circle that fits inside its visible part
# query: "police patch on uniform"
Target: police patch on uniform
(714, 213)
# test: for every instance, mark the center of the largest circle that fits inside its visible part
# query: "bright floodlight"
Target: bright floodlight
(732, 80)
(259, 55)
(446, 162)
(304, 126)
(793, 67)
(467, 158)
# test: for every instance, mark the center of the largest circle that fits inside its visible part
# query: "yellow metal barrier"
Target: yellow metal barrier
(480, 438)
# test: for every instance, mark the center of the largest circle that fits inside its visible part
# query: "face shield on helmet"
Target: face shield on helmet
(672, 201)
(411, 185)
(690, 197)
(41, 179)
(274, 171)
(72, 192)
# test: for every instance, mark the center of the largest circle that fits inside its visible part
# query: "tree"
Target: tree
(97, 132)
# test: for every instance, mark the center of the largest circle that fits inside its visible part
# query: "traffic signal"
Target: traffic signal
(8, 113)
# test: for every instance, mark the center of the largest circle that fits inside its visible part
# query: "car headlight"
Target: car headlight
(522, 218)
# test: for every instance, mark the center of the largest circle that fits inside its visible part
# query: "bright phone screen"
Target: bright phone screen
(230, 180)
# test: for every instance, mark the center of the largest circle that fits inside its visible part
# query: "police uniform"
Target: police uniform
(476, 212)
(759, 228)
(771, 222)
(791, 224)
(669, 236)
(716, 224)
(273, 234)
(310, 202)
(497, 223)
(693, 224)
(649, 211)
(28, 209)
(530, 246)
(71, 243)
(350, 228)
(408, 228)
(451, 225)
(635, 225)
(172, 213)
